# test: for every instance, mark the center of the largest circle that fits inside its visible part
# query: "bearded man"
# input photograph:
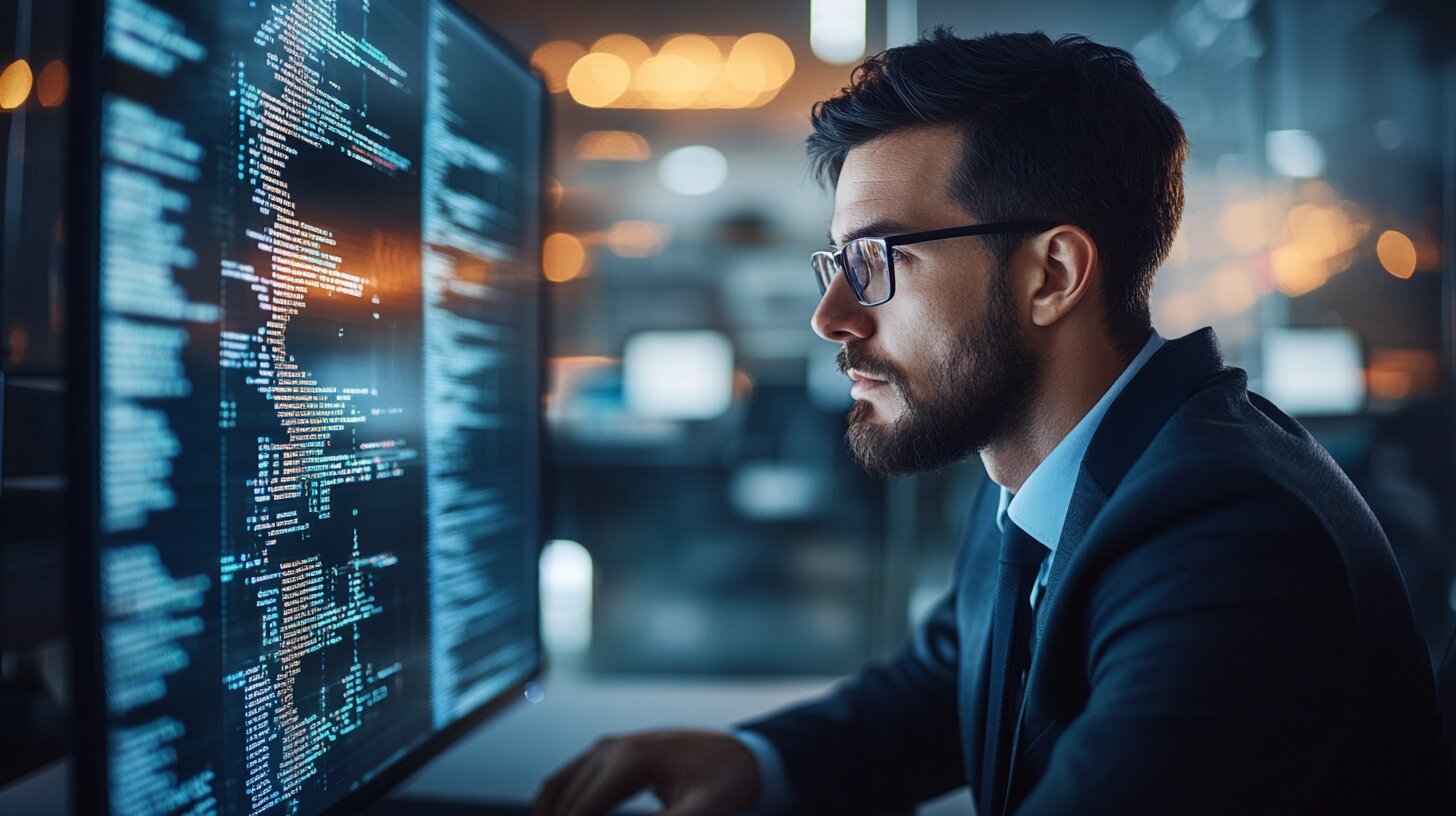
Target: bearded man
(1170, 599)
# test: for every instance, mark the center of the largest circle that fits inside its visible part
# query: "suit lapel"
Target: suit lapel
(1134, 418)
(975, 586)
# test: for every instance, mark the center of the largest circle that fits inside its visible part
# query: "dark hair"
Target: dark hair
(1065, 130)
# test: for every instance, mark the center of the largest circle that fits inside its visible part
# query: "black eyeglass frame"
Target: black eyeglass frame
(889, 242)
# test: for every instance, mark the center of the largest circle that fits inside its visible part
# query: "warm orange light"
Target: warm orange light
(668, 80)
(773, 57)
(687, 71)
(582, 360)
(742, 384)
(612, 145)
(1396, 374)
(554, 60)
(630, 49)
(1324, 231)
(52, 84)
(637, 239)
(19, 345)
(563, 257)
(1247, 226)
(1298, 270)
(1179, 313)
(15, 84)
(1428, 255)
(597, 80)
(1397, 253)
(695, 48)
(554, 192)
(1233, 290)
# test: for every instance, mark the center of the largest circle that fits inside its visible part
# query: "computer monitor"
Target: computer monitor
(309, 379)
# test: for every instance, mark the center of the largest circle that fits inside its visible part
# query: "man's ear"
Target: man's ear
(1064, 260)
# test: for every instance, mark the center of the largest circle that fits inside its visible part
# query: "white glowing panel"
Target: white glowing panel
(693, 170)
(1314, 371)
(837, 30)
(678, 374)
(566, 598)
(1294, 153)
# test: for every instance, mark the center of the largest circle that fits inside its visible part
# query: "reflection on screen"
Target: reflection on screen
(318, 393)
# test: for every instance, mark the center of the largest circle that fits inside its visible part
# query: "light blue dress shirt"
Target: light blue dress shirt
(1039, 508)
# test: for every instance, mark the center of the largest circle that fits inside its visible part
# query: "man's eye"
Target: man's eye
(899, 255)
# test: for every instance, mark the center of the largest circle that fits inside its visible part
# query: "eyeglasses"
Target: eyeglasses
(869, 263)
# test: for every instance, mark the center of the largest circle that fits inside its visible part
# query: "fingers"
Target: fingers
(617, 773)
(603, 777)
(550, 794)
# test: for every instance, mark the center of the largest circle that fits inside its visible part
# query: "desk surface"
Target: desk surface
(498, 767)
(506, 759)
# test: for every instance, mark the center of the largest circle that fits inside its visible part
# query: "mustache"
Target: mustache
(863, 361)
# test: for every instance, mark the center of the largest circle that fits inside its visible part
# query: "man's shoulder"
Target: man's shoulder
(1234, 480)
(1227, 449)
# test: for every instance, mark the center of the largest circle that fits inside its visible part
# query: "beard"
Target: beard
(975, 397)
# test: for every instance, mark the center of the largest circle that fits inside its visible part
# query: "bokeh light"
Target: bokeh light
(637, 239)
(612, 145)
(837, 30)
(597, 80)
(693, 47)
(628, 48)
(1294, 153)
(15, 84)
(687, 71)
(563, 257)
(693, 170)
(1397, 253)
(668, 80)
(554, 60)
(52, 84)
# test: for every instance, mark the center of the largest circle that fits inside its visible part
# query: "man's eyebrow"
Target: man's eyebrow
(874, 229)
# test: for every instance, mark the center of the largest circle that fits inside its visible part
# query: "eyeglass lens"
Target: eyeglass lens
(869, 274)
(869, 268)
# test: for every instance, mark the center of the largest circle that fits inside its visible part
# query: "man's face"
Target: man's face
(943, 369)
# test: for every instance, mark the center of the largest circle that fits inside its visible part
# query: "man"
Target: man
(1171, 600)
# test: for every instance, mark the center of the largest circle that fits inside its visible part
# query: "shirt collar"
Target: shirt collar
(1040, 506)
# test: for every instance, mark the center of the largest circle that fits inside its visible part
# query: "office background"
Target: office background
(709, 521)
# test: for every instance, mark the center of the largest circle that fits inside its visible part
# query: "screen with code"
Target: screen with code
(318, 393)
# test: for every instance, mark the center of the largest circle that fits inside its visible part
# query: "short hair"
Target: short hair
(1064, 130)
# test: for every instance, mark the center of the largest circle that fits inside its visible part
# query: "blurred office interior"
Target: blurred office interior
(708, 519)
(732, 533)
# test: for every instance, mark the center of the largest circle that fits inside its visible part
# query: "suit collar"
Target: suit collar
(1173, 373)
(1040, 506)
(1178, 369)
(1145, 406)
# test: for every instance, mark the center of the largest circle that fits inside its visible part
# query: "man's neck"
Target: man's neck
(1074, 378)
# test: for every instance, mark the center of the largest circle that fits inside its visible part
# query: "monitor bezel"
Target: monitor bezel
(89, 771)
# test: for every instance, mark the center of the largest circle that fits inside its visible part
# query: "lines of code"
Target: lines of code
(480, 210)
(318, 379)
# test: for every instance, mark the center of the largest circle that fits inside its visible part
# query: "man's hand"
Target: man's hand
(694, 773)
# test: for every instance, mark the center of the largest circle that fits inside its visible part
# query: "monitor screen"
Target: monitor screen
(1314, 371)
(316, 373)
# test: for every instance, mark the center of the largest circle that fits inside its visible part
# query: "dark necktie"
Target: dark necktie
(1011, 622)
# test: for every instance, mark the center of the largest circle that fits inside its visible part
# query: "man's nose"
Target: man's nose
(839, 317)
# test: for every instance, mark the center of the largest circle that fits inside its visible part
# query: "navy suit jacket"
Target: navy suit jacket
(1224, 630)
